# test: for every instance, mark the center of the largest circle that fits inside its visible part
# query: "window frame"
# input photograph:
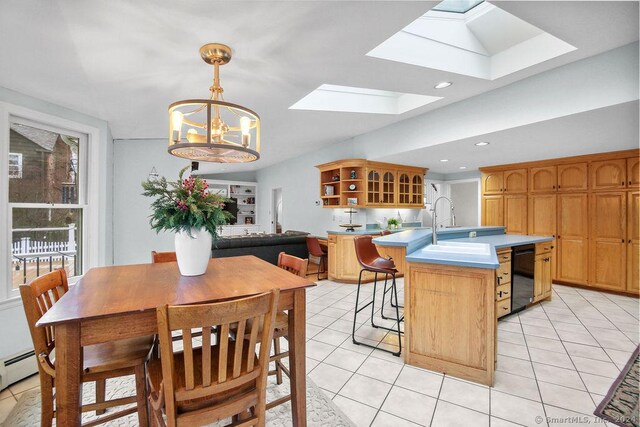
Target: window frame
(88, 186)
(19, 174)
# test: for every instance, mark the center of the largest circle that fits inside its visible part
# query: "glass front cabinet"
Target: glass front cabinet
(373, 184)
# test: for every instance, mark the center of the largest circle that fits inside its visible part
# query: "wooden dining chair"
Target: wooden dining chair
(163, 257)
(100, 362)
(202, 385)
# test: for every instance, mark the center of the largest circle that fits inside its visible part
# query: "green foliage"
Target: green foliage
(185, 204)
(392, 221)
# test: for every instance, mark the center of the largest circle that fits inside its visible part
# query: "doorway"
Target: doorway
(276, 210)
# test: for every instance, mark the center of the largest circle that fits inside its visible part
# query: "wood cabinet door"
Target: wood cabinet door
(539, 277)
(515, 214)
(573, 233)
(417, 190)
(388, 194)
(542, 215)
(607, 215)
(492, 183)
(493, 210)
(542, 179)
(332, 258)
(515, 181)
(373, 187)
(608, 174)
(404, 189)
(633, 172)
(633, 241)
(572, 177)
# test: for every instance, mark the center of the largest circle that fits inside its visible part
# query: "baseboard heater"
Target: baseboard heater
(17, 367)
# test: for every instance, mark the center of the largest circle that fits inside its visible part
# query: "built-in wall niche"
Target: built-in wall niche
(245, 200)
(243, 204)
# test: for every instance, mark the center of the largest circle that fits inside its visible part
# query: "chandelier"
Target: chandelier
(213, 130)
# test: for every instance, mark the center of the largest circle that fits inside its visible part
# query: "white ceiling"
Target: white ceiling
(126, 61)
(606, 129)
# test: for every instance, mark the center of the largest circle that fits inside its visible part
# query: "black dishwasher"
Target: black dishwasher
(523, 267)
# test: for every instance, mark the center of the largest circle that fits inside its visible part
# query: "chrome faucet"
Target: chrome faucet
(434, 233)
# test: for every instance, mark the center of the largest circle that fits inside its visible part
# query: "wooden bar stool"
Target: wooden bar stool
(199, 386)
(313, 246)
(163, 257)
(370, 260)
(385, 291)
(101, 361)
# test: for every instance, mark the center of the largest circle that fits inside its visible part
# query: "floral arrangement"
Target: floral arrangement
(185, 204)
(392, 223)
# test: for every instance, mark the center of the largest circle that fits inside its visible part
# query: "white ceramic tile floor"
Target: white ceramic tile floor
(555, 361)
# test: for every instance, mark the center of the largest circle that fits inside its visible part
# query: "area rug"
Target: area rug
(620, 406)
(321, 411)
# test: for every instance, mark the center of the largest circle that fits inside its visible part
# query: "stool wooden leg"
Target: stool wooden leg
(101, 390)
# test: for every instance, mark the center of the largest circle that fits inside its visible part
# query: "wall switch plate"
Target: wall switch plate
(473, 234)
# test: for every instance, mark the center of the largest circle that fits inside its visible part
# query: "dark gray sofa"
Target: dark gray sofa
(264, 246)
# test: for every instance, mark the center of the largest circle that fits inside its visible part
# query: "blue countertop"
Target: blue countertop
(417, 242)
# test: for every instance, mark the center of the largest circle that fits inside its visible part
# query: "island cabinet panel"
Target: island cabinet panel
(515, 214)
(633, 241)
(492, 182)
(450, 320)
(573, 233)
(515, 181)
(542, 277)
(332, 256)
(608, 174)
(493, 210)
(608, 240)
(542, 179)
(573, 177)
(633, 172)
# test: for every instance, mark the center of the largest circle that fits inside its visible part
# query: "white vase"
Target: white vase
(193, 251)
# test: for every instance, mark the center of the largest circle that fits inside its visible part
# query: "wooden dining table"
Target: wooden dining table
(117, 302)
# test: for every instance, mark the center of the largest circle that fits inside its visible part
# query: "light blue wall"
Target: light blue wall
(133, 239)
(14, 333)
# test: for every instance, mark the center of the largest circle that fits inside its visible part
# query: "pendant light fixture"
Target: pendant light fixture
(213, 130)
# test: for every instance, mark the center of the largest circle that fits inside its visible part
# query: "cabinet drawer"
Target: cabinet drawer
(332, 238)
(503, 307)
(544, 247)
(503, 273)
(503, 292)
(504, 256)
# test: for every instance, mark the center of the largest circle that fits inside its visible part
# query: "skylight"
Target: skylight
(485, 42)
(456, 6)
(361, 100)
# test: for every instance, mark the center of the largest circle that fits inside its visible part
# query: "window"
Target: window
(15, 165)
(46, 205)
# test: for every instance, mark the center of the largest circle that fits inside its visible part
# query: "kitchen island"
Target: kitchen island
(455, 291)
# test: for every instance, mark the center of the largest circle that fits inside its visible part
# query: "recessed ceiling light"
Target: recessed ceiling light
(463, 167)
(482, 144)
(442, 85)
(444, 160)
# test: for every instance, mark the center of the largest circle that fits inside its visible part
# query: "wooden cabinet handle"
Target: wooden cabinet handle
(622, 240)
(629, 182)
(554, 187)
(558, 186)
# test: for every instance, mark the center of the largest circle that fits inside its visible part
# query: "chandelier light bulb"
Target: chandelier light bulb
(176, 124)
(245, 125)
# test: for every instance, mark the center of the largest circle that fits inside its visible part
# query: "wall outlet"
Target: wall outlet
(473, 234)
